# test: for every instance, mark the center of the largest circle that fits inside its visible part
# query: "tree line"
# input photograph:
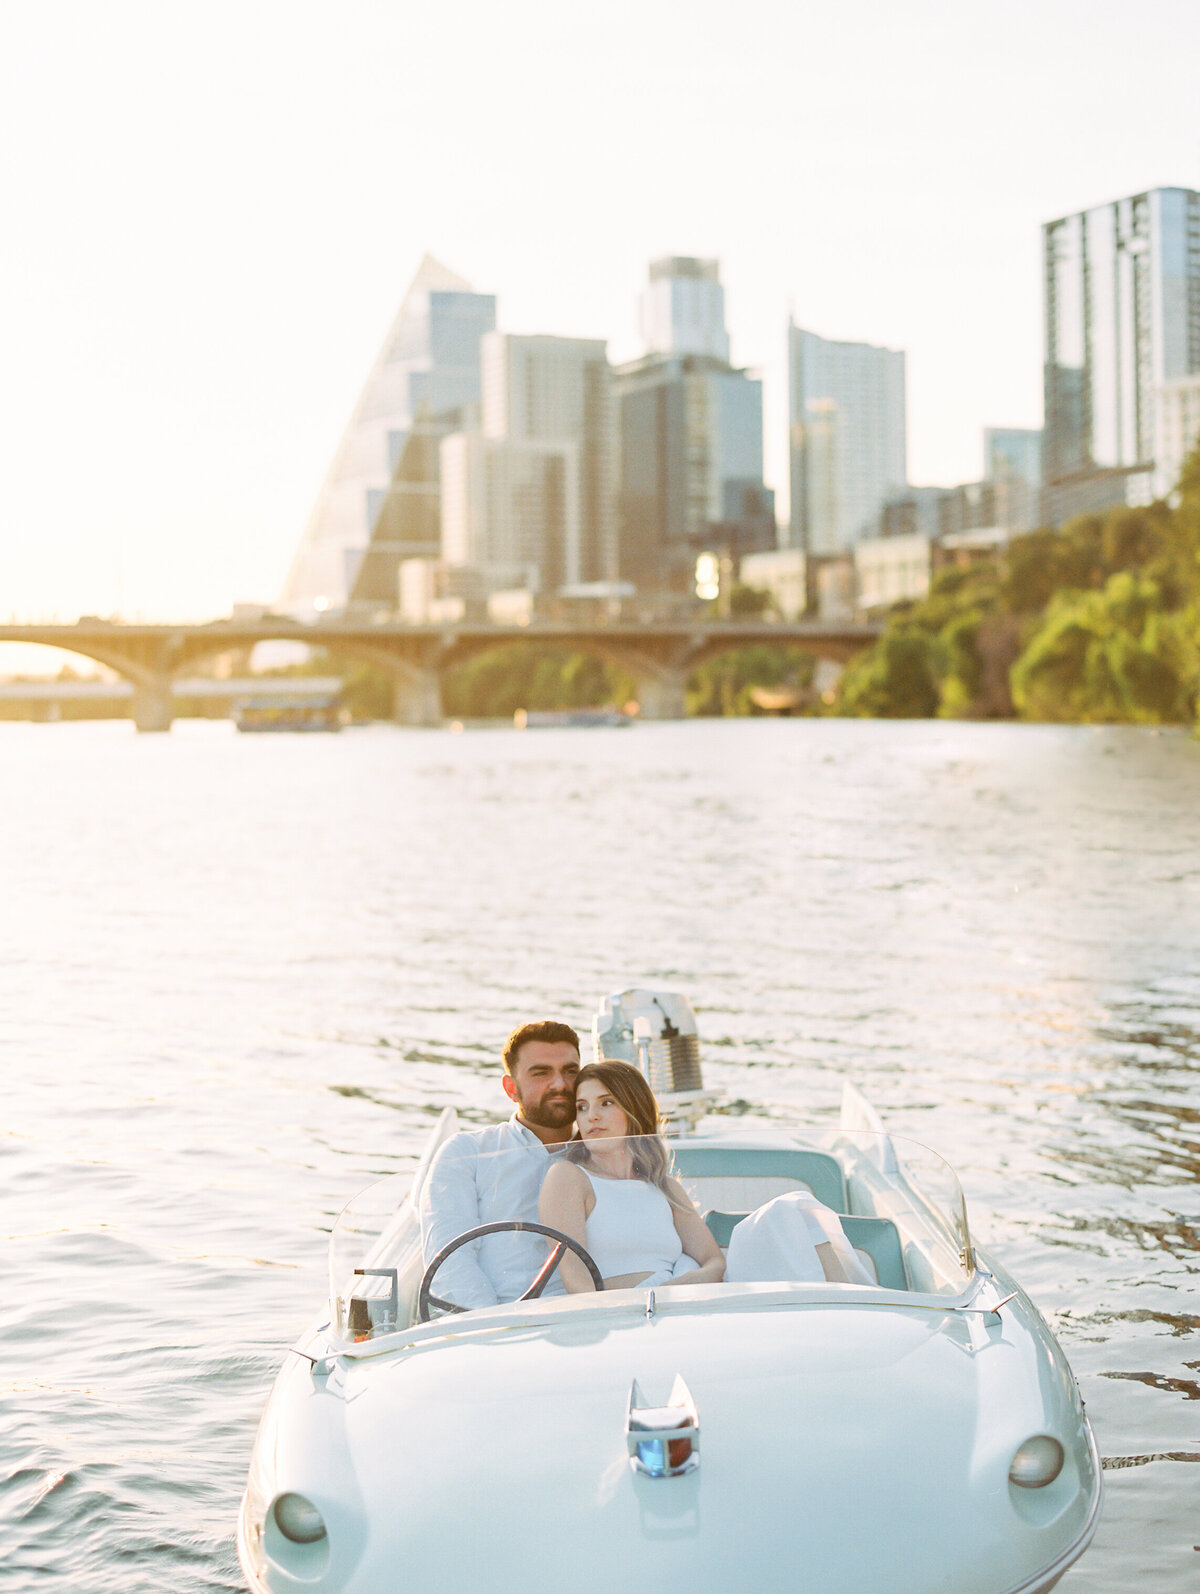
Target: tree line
(1098, 622)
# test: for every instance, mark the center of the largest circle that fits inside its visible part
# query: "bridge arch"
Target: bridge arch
(658, 656)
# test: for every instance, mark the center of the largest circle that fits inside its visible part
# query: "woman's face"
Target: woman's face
(598, 1113)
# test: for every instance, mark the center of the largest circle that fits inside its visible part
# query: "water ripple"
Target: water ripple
(234, 1000)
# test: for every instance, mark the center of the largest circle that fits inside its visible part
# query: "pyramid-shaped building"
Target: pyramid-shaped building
(379, 499)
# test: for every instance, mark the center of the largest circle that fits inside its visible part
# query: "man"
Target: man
(488, 1175)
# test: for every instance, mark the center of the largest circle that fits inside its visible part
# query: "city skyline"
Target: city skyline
(219, 210)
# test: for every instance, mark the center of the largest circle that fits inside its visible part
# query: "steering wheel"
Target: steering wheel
(563, 1242)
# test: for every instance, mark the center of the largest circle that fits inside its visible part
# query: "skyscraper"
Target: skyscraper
(691, 438)
(557, 392)
(683, 308)
(848, 438)
(1178, 430)
(1122, 284)
(1012, 458)
(509, 511)
(378, 491)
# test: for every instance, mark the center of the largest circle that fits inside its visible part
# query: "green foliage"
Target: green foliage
(525, 675)
(1112, 655)
(726, 684)
(898, 678)
(1097, 622)
(748, 603)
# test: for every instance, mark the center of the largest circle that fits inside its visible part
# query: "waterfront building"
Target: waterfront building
(913, 512)
(690, 439)
(1178, 430)
(553, 393)
(1013, 465)
(848, 439)
(783, 573)
(1012, 450)
(889, 570)
(510, 510)
(379, 493)
(431, 592)
(691, 468)
(1122, 286)
(682, 308)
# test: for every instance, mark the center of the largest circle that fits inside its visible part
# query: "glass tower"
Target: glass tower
(381, 491)
(848, 439)
(1122, 289)
(690, 437)
(682, 308)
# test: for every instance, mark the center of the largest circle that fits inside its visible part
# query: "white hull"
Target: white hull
(853, 1441)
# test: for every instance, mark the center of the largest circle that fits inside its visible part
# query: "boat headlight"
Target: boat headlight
(298, 1519)
(1037, 1462)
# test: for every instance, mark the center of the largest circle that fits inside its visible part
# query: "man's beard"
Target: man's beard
(551, 1112)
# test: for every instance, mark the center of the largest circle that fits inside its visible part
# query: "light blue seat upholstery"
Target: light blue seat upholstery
(817, 1169)
(878, 1237)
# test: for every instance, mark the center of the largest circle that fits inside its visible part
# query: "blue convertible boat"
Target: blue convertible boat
(921, 1434)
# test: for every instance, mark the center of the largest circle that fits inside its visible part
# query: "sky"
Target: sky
(213, 212)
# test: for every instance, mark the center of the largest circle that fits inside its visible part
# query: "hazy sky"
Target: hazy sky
(213, 212)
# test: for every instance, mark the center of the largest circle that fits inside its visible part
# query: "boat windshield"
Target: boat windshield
(470, 1211)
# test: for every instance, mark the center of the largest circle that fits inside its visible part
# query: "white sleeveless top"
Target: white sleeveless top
(630, 1229)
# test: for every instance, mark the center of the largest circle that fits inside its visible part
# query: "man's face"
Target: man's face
(543, 1083)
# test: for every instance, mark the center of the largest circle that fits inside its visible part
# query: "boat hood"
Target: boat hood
(497, 1457)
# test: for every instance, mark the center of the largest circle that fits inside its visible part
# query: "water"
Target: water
(241, 976)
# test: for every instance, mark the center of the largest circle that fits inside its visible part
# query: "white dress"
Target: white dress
(630, 1230)
(777, 1243)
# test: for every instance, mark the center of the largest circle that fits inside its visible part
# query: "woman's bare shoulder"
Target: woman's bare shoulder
(676, 1194)
(564, 1175)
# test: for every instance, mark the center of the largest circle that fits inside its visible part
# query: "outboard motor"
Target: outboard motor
(656, 1032)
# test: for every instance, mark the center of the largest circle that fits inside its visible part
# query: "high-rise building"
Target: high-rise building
(1178, 430)
(1013, 467)
(848, 438)
(1122, 285)
(691, 468)
(379, 493)
(683, 308)
(556, 393)
(509, 510)
(691, 438)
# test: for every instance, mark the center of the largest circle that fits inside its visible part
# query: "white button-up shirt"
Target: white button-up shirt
(486, 1176)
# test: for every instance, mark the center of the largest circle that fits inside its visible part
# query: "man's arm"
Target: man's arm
(450, 1206)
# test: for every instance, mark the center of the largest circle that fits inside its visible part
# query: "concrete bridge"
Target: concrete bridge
(659, 656)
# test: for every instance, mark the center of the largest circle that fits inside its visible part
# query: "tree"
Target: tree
(1111, 656)
(895, 679)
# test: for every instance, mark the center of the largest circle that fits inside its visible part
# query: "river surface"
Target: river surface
(240, 977)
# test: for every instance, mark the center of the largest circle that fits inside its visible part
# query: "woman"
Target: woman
(616, 1197)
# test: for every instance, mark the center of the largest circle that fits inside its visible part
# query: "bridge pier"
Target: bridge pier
(152, 707)
(663, 695)
(417, 698)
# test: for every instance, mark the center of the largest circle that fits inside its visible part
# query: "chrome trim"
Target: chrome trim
(673, 1430)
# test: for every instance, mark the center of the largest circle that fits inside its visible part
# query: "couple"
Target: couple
(614, 1195)
(617, 1200)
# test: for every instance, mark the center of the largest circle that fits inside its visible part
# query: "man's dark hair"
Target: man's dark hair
(542, 1029)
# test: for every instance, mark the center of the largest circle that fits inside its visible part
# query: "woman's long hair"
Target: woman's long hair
(628, 1086)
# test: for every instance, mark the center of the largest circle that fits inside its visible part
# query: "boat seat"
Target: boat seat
(876, 1242)
(785, 1167)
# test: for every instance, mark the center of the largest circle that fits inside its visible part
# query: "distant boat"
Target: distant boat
(284, 711)
(780, 699)
(553, 719)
